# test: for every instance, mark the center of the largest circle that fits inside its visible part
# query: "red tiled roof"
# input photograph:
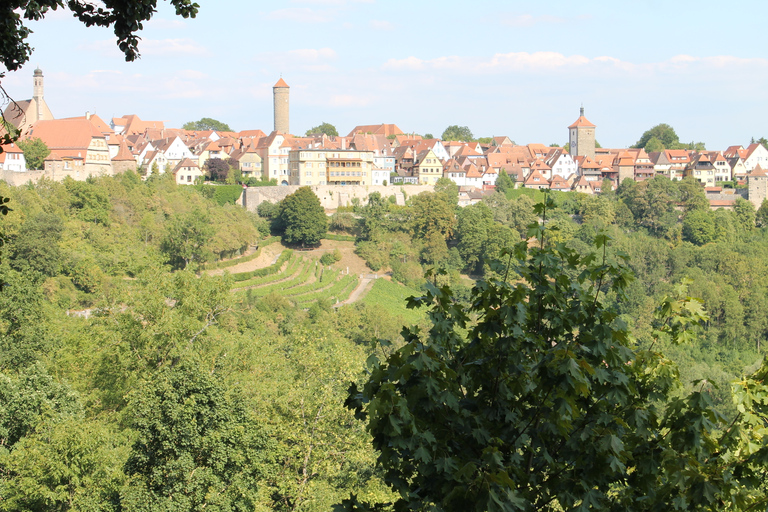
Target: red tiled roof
(281, 83)
(582, 122)
(65, 133)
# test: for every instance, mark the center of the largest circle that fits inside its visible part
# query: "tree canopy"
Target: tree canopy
(205, 124)
(35, 152)
(455, 132)
(536, 398)
(303, 218)
(663, 136)
(326, 128)
(125, 18)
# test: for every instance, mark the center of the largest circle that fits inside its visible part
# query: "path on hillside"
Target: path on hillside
(359, 292)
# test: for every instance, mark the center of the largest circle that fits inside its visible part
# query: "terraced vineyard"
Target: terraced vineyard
(300, 279)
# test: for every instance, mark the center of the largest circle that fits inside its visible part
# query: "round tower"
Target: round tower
(280, 93)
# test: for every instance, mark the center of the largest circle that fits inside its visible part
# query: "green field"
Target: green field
(392, 297)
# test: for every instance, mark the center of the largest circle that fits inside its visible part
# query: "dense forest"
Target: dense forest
(132, 379)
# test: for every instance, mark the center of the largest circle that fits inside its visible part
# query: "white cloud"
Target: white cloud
(411, 63)
(554, 62)
(300, 15)
(349, 100)
(528, 20)
(150, 47)
(312, 55)
(381, 25)
(162, 47)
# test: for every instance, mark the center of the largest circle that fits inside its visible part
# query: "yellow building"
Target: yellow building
(427, 167)
(330, 167)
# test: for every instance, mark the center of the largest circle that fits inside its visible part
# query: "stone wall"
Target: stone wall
(331, 196)
(21, 178)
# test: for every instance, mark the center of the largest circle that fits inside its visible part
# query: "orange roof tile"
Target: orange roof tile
(281, 83)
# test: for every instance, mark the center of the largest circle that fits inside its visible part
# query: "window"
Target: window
(308, 174)
(189, 178)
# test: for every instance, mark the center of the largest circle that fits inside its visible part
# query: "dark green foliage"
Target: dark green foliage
(24, 336)
(455, 132)
(323, 128)
(186, 239)
(90, 202)
(27, 398)
(663, 133)
(36, 246)
(222, 194)
(699, 227)
(196, 448)
(35, 152)
(432, 212)
(534, 399)
(330, 258)
(504, 182)
(303, 218)
(206, 124)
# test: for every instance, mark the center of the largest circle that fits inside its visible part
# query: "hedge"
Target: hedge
(244, 276)
(339, 238)
(244, 259)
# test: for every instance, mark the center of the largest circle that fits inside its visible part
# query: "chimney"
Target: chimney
(87, 115)
(343, 143)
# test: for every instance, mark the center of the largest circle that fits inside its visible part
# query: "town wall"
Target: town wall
(331, 196)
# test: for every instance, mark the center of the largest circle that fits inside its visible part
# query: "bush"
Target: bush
(330, 258)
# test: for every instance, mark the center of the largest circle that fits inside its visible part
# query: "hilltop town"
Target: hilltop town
(380, 155)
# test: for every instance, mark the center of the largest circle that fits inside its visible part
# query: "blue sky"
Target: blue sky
(520, 69)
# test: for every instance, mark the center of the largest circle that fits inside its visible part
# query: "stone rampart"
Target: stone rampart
(331, 196)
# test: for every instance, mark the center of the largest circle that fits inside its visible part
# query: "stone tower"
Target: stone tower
(581, 137)
(280, 92)
(37, 93)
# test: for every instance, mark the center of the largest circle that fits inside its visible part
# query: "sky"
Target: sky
(516, 68)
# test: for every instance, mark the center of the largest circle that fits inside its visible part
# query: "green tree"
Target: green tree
(761, 217)
(691, 194)
(326, 128)
(448, 187)
(761, 140)
(206, 124)
(186, 240)
(699, 227)
(455, 132)
(504, 182)
(432, 212)
(303, 218)
(66, 464)
(473, 224)
(196, 448)
(745, 215)
(654, 145)
(35, 152)
(661, 132)
(36, 246)
(533, 398)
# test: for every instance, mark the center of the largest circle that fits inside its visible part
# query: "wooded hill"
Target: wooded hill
(184, 391)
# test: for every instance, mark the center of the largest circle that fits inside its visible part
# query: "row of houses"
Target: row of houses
(87, 146)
